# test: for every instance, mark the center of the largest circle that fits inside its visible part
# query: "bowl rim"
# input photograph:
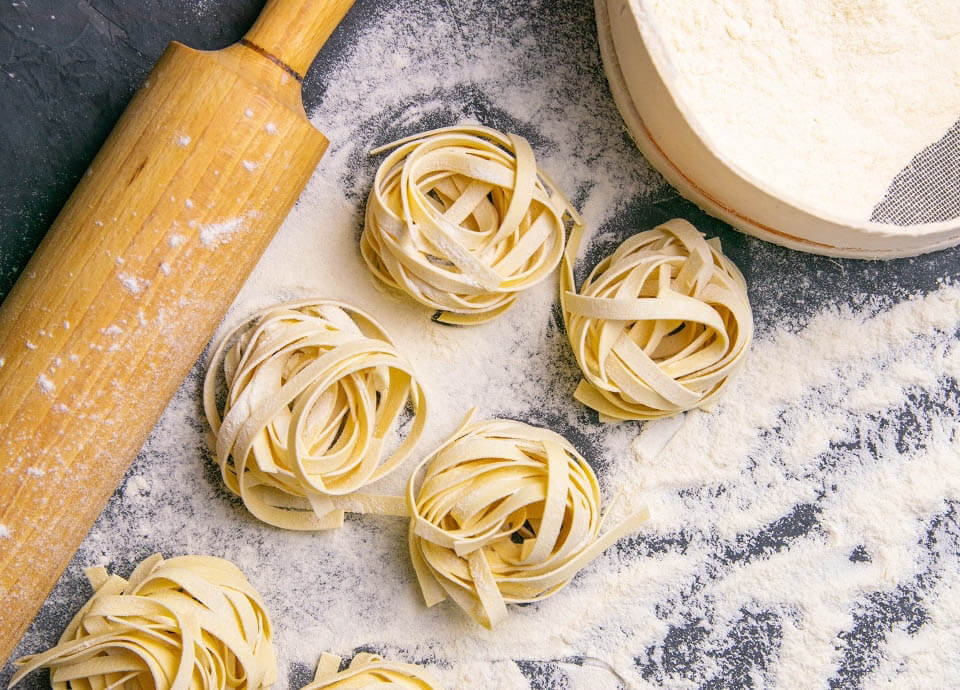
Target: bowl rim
(657, 56)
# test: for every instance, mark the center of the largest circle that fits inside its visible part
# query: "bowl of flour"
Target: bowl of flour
(831, 127)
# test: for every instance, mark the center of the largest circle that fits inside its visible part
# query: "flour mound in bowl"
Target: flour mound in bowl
(822, 102)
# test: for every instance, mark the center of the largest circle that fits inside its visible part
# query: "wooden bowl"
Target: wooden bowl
(671, 139)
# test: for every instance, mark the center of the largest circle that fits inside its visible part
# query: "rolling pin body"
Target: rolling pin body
(135, 274)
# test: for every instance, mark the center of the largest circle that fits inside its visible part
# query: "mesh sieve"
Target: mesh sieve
(927, 190)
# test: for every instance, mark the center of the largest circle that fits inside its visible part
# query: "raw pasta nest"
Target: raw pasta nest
(188, 622)
(462, 220)
(659, 326)
(313, 390)
(506, 513)
(370, 671)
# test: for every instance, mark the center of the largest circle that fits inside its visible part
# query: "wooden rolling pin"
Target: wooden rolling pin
(134, 276)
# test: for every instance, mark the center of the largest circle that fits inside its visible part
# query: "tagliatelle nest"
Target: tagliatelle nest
(462, 220)
(505, 513)
(659, 326)
(313, 391)
(370, 671)
(187, 622)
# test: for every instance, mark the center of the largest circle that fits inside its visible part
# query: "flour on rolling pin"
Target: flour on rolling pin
(144, 259)
(213, 234)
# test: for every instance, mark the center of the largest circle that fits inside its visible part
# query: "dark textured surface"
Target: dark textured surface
(69, 68)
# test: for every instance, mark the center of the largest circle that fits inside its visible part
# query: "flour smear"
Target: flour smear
(804, 533)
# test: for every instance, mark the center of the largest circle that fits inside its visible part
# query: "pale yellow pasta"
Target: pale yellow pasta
(370, 671)
(313, 391)
(505, 513)
(192, 622)
(659, 326)
(462, 220)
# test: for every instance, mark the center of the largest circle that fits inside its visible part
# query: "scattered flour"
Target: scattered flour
(203, 7)
(213, 234)
(711, 479)
(45, 384)
(132, 284)
(745, 574)
(4, 531)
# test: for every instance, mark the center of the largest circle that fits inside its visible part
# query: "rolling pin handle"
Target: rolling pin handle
(292, 32)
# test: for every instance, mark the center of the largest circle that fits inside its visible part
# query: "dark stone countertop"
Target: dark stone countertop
(68, 69)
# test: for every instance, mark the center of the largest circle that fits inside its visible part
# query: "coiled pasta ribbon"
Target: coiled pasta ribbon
(313, 388)
(462, 220)
(370, 671)
(659, 326)
(188, 622)
(506, 513)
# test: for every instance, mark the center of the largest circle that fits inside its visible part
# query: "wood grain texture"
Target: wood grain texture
(295, 30)
(129, 283)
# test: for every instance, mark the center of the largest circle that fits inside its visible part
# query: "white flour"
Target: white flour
(825, 102)
(866, 363)
(784, 522)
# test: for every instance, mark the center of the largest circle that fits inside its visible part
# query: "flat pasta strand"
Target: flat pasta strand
(313, 389)
(505, 513)
(188, 622)
(659, 326)
(462, 220)
(370, 671)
